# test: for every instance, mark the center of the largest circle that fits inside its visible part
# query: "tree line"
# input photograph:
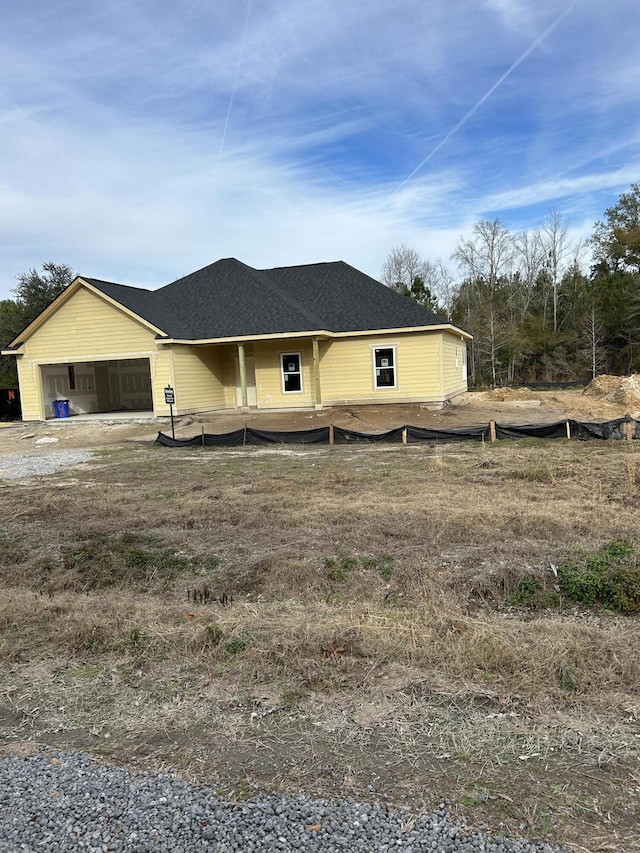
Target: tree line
(33, 292)
(535, 312)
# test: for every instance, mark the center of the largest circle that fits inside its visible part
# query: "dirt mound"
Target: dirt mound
(602, 385)
(623, 390)
(505, 395)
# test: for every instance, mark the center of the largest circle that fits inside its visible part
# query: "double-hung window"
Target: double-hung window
(291, 372)
(384, 361)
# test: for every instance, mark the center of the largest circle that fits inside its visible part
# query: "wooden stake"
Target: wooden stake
(404, 435)
(492, 430)
(331, 436)
(568, 426)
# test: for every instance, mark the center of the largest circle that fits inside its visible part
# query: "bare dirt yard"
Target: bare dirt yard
(382, 622)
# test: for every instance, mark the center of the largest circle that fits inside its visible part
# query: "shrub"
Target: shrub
(609, 577)
(526, 591)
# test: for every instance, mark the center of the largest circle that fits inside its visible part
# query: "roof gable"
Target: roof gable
(117, 294)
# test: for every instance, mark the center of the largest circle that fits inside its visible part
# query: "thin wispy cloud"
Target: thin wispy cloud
(474, 109)
(235, 80)
(140, 142)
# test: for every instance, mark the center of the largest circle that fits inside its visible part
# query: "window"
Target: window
(385, 367)
(291, 372)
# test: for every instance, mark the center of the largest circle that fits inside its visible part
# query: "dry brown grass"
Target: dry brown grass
(369, 582)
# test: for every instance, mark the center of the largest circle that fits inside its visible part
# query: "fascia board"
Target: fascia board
(319, 333)
(279, 336)
(440, 327)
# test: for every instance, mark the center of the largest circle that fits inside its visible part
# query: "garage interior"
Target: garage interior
(98, 386)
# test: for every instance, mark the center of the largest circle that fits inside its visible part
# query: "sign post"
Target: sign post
(170, 398)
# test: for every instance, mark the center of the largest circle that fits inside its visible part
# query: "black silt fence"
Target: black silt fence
(478, 433)
(621, 428)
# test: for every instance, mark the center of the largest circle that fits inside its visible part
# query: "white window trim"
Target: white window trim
(374, 350)
(283, 355)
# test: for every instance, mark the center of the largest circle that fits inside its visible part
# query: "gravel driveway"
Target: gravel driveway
(35, 463)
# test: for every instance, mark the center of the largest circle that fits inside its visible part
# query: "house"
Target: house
(232, 337)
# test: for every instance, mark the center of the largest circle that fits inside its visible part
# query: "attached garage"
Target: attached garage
(114, 385)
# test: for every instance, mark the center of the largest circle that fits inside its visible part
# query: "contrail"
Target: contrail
(485, 97)
(235, 79)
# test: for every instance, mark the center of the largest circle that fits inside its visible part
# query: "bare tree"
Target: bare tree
(593, 335)
(442, 284)
(485, 261)
(557, 248)
(529, 259)
(402, 266)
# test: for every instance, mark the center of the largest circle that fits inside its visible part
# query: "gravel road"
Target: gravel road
(69, 802)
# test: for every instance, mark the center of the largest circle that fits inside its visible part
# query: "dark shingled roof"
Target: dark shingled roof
(229, 299)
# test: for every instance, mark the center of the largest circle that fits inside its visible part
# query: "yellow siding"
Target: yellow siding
(199, 379)
(161, 375)
(348, 371)
(86, 328)
(270, 394)
(452, 364)
(228, 355)
(30, 382)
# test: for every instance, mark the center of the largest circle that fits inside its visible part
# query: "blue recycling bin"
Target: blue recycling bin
(62, 408)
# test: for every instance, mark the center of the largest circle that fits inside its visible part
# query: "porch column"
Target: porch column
(243, 378)
(316, 374)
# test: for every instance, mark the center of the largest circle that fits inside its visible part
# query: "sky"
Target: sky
(141, 140)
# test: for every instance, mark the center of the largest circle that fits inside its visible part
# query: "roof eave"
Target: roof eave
(436, 327)
(318, 333)
(235, 339)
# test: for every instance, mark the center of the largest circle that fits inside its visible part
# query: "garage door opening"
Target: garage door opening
(98, 386)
